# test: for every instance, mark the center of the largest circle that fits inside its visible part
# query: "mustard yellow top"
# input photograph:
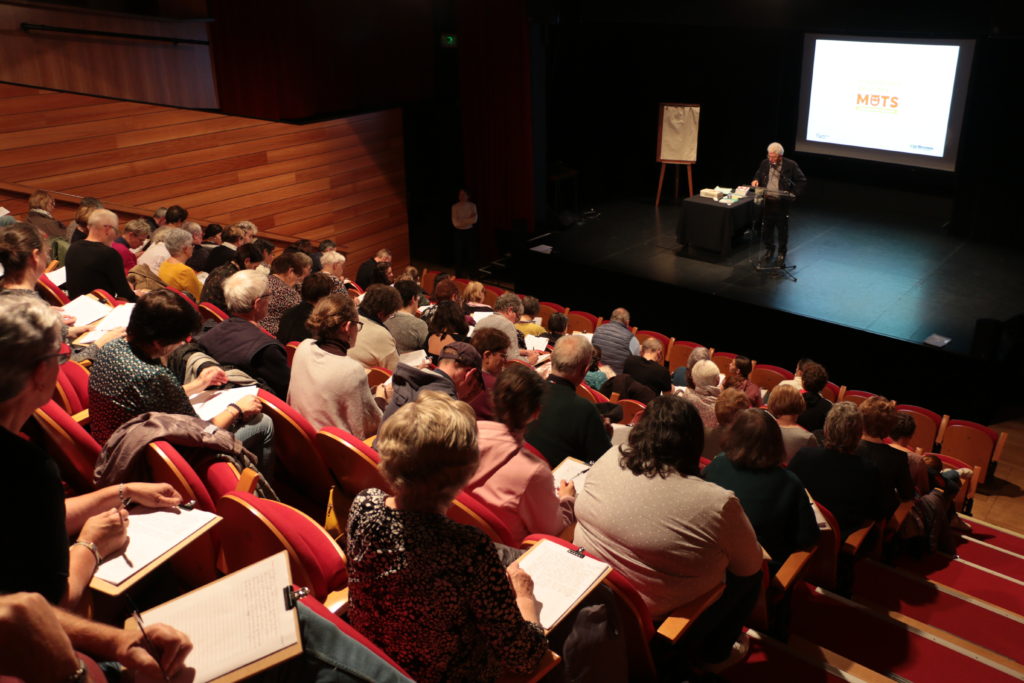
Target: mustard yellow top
(180, 276)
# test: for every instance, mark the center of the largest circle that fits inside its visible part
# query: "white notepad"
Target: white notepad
(212, 402)
(561, 578)
(151, 534)
(535, 343)
(85, 310)
(572, 470)
(238, 625)
(58, 276)
(118, 317)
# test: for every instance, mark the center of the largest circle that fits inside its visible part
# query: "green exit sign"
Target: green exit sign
(449, 40)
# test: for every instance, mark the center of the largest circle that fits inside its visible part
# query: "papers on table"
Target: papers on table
(535, 343)
(561, 578)
(572, 470)
(152, 535)
(58, 276)
(239, 625)
(117, 318)
(212, 402)
(85, 310)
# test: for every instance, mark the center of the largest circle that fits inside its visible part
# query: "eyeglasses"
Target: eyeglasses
(63, 355)
(358, 323)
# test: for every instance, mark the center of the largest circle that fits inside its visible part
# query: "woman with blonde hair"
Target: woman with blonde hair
(429, 591)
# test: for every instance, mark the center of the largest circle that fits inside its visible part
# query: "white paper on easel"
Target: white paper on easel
(151, 533)
(235, 621)
(560, 579)
(85, 310)
(117, 318)
(212, 402)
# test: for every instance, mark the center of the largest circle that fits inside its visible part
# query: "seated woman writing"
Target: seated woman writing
(433, 593)
(646, 512)
(129, 377)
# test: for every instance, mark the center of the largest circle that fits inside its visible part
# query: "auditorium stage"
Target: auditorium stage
(877, 272)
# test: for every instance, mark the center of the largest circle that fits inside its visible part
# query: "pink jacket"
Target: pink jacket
(517, 486)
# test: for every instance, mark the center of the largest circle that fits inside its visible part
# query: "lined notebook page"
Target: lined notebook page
(234, 621)
(212, 402)
(572, 470)
(560, 579)
(151, 533)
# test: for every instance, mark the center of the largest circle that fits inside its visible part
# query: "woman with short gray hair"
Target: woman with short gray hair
(333, 264)
(174, 270)
(836, 477)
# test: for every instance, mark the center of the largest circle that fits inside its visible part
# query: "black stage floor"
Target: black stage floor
(877, 272)
(867, 259)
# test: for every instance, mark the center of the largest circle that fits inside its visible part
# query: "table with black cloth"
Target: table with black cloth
(707, 224)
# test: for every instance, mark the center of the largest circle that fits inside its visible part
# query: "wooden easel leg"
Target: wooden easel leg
(689, 177)
(675, 195)
(661, 181)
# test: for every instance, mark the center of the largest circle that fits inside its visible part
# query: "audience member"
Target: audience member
(648, 368)
(646, 511)
(901, 434)
(155, 252)
(785, 403)
(129, 378)
(375, 346)
(366, 275)
(616, 340)
(814, 378)
(444, 290)
(247, 257)
(433, 593)
(333, 264)
(231, 239)
(557, 324)
(514, 483)
(304, 246)
(879, 418)
(568, 425)
(328, 388)
(286, 272)
(78, 227)
(773, 498)
(240, 341)
(473, 299)
(705, 392)
(409, 331)
(738, 377)
(157, 220)
(835, 476)
(683, 376)
(457, 375)
(133, 236)
(200, 256)
(507, 310)
(464, 217)
(492, 346)
(93, 264)
(729, 404)
(598, 373)
(293, 325)
(212, 236)
(446, 325)
(527, 324)
(176, 216)
(40, 204)
(797, 381)
(174, 271)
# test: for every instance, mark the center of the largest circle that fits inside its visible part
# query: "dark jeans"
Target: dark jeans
(776, 220)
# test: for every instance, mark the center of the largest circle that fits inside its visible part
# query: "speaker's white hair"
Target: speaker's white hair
(776, 148)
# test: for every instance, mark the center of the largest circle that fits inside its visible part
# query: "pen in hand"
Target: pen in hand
(149, 644)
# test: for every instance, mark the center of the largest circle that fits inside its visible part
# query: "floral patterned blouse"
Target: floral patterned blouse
(434, 595)
(282, 297)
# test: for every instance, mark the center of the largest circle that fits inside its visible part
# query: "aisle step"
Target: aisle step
(798, 661)
(995, 535)
(968, 577)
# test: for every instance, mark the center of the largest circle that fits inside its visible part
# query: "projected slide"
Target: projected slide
(884, 99)
(891, 96)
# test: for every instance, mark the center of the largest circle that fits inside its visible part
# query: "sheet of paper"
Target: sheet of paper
(58, 276)
(560, 579)
(118, 317)
(85, 310)
(234, 621)
(151, 533)
(413, 358)
(588, 335)
(535, 343)
(212, 402)
(480, 315)
(572, 470)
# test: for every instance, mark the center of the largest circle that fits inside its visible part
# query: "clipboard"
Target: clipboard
(595, 571)
(251, 602)
(116, 589)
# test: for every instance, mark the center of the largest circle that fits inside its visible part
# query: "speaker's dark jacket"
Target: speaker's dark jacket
(791, 178)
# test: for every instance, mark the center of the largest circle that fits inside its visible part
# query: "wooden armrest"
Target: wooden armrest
(549, 662)
(942, 428)
(568, 532)
(248, 480)
(997, 454)
(337, 601)
(81, 418)
(792, 569)
(614, 398)
(675, 624)
(855, 540)
(896, 521)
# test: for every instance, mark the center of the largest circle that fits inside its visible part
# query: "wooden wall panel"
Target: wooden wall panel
(341, 179)
(179, 75)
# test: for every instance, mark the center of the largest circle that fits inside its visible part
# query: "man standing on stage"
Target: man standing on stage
(784, 182)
